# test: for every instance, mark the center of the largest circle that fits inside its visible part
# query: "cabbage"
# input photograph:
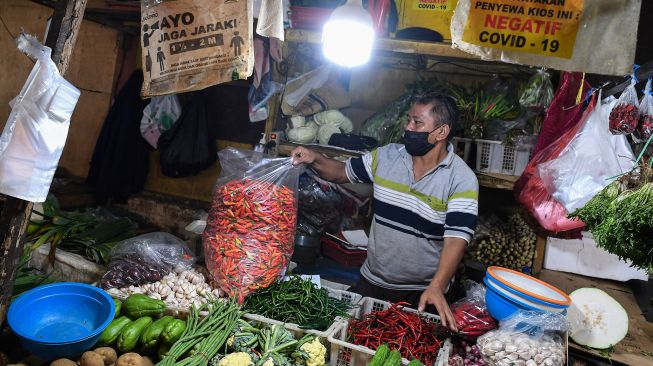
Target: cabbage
(325, 132)
(336, 118)
(302, 135)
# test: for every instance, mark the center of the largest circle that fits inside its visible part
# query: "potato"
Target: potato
(130, 359)
(148, 361)
(90, 358)
(108, 355)
(63, 362)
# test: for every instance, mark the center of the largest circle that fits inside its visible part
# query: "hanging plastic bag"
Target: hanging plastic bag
(471, 315)
(624, 117)
(527, 337)
(145, 258)
(35, 133)
(159, 116)
(645, 126)
(538, 93)
(250, 231)
(561, 124)
(570, 179)
(189, 146)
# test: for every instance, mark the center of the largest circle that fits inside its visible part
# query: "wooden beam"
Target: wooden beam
(15, 214)
(64, 27)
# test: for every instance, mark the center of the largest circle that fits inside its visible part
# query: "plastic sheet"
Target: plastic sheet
(145, 258)
(250, 232)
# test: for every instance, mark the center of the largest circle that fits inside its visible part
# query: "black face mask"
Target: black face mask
(417, 143)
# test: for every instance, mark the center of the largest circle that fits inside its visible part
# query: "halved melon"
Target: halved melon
(597, 320)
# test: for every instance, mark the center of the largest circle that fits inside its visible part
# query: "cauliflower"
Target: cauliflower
(230, 341)
(314, 353)
(236, 359)
(268, 362)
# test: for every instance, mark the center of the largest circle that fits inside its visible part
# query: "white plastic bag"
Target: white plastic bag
(159, 116)
(36, 131)
(589, 162)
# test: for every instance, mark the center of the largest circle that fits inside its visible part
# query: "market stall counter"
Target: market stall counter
(637, 347)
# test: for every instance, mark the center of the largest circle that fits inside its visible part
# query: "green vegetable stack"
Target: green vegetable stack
(385, 357)
(297, 301)
(137, 328)
(621, 217)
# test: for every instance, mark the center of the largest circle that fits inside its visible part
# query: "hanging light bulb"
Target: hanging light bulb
(348, 36)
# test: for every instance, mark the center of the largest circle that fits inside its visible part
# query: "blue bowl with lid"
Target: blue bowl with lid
(60, 320)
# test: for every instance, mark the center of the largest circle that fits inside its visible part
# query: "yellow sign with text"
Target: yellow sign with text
(434, 5)
(544, 27)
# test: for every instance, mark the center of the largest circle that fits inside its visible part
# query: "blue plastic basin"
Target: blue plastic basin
(501, 307)
(60, 320)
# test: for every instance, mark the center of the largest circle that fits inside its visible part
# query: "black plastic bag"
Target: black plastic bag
(189, 146)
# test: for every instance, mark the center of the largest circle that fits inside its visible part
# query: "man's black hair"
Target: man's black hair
(443, 107)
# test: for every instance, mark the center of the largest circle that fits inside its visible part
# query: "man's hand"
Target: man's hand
(434, 295)
(302, 155)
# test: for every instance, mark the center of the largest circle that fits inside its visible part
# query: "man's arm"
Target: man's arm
(329, 169)
(452, 254)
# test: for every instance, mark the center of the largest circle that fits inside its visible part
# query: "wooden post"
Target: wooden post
(66, 20)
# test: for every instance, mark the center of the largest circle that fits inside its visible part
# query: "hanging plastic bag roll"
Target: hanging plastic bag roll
(36, 131)
(250, 231)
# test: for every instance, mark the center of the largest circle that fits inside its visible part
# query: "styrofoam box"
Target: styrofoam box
(584, 257)
(344, 353)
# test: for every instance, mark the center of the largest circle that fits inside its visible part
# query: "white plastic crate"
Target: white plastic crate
(496, 157)
(344, 353)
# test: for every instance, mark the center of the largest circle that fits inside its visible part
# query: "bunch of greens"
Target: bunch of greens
(81, 233)
(621, 217)
(297, 301)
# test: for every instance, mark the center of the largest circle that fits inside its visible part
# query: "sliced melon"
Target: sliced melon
(597, 320)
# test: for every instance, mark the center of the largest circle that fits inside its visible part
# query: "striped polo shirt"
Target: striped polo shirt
(412, 218)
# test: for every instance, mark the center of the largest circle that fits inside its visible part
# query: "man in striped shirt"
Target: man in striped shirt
(425, 206)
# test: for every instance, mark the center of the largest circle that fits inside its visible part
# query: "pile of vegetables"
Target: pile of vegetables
(203, 337)
(86, 234)
(465, 354)
(298, 301)
(105, 356)
(620, 217)
(138, 327)
(385, 357)
(248, 240)
(511, 245)
(180, 288)
(251, 345)
(412, 334)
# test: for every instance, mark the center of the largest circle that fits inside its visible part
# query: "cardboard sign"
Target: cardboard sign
(597, 36)
(192, 44)
(546, 27)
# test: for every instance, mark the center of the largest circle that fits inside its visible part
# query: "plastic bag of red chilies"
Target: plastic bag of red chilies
(561, 124)
(645, 126)
(471, 315)
(250, 230)
(624, 116)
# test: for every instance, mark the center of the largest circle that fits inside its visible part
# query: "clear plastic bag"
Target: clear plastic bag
(538, 93)
(250, 231)
(645, 126)
(569, 178)
(624, 116)
(145, 258)
(526, 338)
(470, 313)
(159, 116)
